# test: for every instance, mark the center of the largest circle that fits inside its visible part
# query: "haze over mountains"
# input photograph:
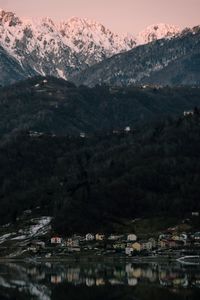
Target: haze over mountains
(65, 48)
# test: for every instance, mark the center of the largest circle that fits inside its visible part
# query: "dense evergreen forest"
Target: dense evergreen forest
(94, 182)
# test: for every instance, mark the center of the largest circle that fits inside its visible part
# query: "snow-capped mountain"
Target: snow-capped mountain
(171, 61)
(64, 48)
(92, 40)
(58, 49)
(157, 32)
(36, 45)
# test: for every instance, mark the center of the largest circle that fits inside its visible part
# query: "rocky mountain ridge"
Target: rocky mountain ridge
(62, 49)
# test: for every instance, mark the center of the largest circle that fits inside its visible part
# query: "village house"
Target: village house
(99, 237)
(188, 113)
(79, 238)
(153, 242)
(72, 242)
(171, 244)
(127, 129)
(82, 135)
(195, 214)
(35, 134)
(164, 236)
(131, 237)
(147, 245)
(175, 238)
(114, 237)
(128, 251)
(184, 238)
(197, 236)
(137, 246)
(167, 243)
(89, 237)
(119, 246)
(56, 240)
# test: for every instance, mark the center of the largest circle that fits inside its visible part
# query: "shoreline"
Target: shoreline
(89, 259)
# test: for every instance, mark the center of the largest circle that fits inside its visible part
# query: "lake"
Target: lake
(100, 280)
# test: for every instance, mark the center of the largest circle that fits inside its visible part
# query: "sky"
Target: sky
(119, 15)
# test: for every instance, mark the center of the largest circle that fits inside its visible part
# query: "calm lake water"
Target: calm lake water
(99, 281)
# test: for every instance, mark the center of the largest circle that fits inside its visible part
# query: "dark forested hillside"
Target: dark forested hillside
(92, 183)
(55, 106)
(10, 69)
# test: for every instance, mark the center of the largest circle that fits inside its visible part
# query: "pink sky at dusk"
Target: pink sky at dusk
(119, 15)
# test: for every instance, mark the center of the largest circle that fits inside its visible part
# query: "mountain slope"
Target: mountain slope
(156, 32)
(54, 106)
(145, 61)
(183, 71)
(10, 69)
(92, 41)
(104, 180)
(62, 49)
(58, 49)
(37, 45)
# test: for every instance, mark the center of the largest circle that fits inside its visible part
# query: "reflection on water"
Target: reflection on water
(126, 280)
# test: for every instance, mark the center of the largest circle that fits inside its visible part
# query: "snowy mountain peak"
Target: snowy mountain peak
(8, 18)
(87, 36)
(42, 46)
(156, 32)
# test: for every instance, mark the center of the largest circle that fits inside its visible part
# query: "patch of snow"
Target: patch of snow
(40, 227)
(6, 225)
(21, 237)
(157, 32)
(5, 237)
(19, 282)
(5, 284)
(61, 74)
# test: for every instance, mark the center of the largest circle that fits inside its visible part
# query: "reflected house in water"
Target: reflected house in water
(175, 279)
(56, 279)
(132, 281)
(104, 274)
(90, 282)
(114, 281)
(73, 275)
(100, 281)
